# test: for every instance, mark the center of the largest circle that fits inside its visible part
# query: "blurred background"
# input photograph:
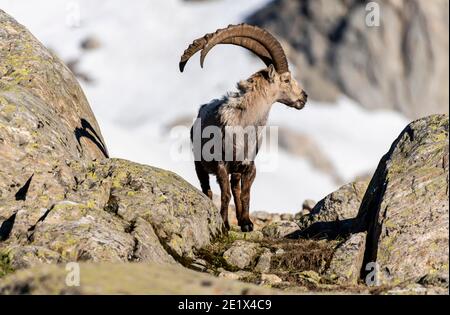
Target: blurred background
(365, 81)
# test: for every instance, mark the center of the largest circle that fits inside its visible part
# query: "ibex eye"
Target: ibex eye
(287, 81)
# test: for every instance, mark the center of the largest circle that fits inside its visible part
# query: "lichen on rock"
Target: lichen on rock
(61, 198)
(406, 207)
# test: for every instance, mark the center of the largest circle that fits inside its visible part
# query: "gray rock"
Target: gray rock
(264, 262)
(335, 214)
(261, 216)
(147, 245)
(199, 265)
(280, 229)
(252, 236)
(308, 205)
(118, 211)
(287, 217)
(301, 214)
(402, 64)
(347, 261)
(239, 275)
(241, 254)
(43, 109)
(45, 120)
(270, 279)
(406, 208)
(22, 257)
(61, 199)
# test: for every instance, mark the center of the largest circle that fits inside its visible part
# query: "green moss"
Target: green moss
(90, 204)
(161, 199)
(18, 63)
(66, 248)
(91, 175)
(9, 109)
(213, 254)
(5, 264)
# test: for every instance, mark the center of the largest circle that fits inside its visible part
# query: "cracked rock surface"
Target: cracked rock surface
(406, 206)
(114, 210)
(61, 199)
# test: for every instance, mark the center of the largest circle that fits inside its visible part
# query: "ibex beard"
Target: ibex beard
(233, 125)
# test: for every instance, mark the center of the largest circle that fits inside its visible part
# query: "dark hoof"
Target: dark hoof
(226, 226)
(247, 227)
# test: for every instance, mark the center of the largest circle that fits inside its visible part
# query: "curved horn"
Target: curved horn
(193, 48)
(252, 45)
(257, 40)
(244, 42)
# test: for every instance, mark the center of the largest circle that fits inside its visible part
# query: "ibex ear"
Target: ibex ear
(272, 73)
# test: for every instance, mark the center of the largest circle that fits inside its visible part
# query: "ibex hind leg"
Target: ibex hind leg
(224, 183)
(203, 177)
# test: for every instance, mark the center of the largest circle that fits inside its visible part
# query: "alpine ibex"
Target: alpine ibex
(248, 107)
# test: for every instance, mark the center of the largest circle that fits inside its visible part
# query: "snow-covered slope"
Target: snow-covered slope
(138, 89)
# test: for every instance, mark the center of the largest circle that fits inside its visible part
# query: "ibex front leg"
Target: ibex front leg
(236, 190)
(224, 183)
(247, 180)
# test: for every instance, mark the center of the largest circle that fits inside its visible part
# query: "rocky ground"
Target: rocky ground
(138, 229)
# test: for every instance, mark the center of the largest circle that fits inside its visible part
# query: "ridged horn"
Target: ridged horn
(253, 38)
(253, 46)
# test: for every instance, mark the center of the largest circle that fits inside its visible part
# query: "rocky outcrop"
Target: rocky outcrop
(45, 121)
(335, 214)
(241, 254)
(345, 266)
(61, 200)
(126, 279)
(406, 207)
(404, 212)
(114, 210)
(43, 111)
(402, 64)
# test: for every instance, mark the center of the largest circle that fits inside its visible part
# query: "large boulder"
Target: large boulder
(345, 266)
(402, 64)
(241, 254)
(44, 115)
(114, 210)
(406, 207)
(45, 121)
(336, 214)
(61, 199)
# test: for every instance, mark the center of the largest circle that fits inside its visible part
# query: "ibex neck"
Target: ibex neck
(256, 107)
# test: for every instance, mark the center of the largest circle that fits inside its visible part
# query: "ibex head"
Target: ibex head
(282, 84)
